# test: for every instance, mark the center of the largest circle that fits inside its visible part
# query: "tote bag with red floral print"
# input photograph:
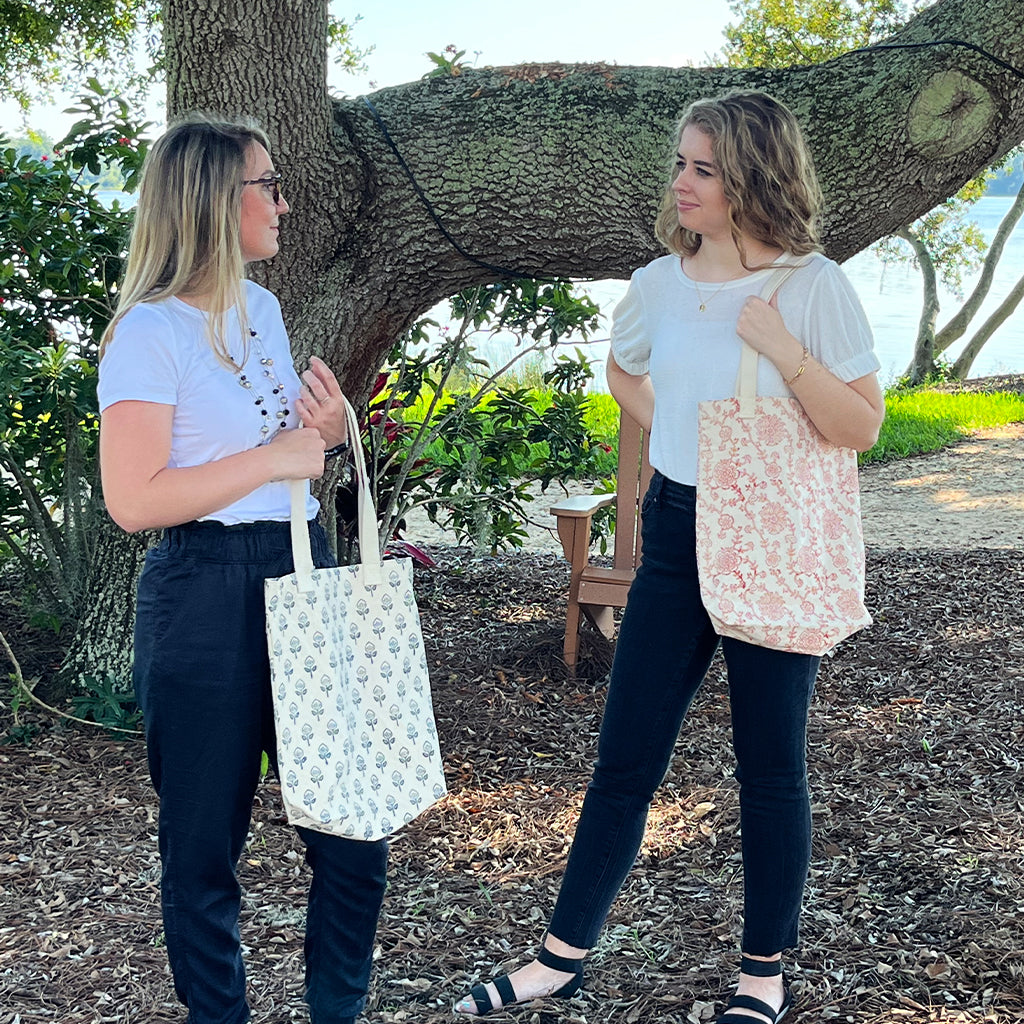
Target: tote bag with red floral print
(780, 549)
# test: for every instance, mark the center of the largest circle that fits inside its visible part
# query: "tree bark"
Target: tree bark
(923, 363)
(957, 326)
(557, 169)
(102, 646)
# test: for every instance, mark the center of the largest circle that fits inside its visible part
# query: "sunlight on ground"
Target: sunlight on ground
(963, 500)
(960, 497)
(515, 814)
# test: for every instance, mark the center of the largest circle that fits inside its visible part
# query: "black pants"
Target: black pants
(202, 678)
(663, 651)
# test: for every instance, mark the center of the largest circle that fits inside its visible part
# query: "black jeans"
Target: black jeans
(663, 651)
(202, 678)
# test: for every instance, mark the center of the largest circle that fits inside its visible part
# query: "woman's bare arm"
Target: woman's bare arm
(143, 493)
(635, 394)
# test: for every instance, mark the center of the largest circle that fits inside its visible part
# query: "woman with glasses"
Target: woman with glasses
(199, 404)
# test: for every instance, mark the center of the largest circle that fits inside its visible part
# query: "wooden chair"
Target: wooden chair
(597, 591)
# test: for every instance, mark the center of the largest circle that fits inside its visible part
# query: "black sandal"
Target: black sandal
(484, 1006)
(758, 969)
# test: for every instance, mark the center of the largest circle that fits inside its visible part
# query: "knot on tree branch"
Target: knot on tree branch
(949, 115)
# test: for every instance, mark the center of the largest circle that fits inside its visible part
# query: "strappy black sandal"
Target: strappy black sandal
(509, 999)
(758, 969)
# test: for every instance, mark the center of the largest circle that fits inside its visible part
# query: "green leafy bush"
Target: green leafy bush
(62, 250)
(447, 431)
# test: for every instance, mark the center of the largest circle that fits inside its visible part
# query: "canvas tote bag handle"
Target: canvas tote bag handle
(746, 380)
(371, 569)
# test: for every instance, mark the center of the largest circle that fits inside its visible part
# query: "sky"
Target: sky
(655, 32)
(658, 32)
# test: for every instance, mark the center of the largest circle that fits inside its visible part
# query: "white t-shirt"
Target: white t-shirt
(694, 357)
(160, 352)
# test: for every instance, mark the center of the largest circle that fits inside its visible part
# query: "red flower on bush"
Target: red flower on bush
(392, 428)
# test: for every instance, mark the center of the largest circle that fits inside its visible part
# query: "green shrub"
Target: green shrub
(61, 253)
(448, 432)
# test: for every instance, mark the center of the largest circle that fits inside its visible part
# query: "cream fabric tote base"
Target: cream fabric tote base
(780, 550)
(357, 745)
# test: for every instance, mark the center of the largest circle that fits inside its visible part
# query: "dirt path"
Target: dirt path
(970, 495)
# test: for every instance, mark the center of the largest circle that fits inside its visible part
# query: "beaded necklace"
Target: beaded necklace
(262, 401)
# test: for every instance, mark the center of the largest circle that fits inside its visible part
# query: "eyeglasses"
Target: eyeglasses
(272, 183)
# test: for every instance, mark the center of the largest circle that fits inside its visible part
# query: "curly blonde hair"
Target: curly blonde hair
(767, 175)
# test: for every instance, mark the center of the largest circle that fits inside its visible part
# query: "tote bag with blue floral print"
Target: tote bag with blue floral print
(357, 745)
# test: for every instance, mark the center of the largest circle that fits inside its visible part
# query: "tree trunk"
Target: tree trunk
(557, 169)
(923, 363)
(102, 647)
(955, 329)
(962, 366)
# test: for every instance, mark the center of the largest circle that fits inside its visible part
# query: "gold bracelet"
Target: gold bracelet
(800, 369)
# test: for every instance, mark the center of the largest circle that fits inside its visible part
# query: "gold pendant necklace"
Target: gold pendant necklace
(700, 298)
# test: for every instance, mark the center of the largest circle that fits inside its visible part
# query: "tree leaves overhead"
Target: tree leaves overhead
(41, 40)
(787, 33)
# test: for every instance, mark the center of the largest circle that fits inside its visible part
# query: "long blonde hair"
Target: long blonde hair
(186, 233)
(767, 175)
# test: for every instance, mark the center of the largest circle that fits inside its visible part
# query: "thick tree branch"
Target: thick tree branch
(958, 324)
(557, 170)
(962, 366)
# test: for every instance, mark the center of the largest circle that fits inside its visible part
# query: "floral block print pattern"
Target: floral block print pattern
(780, 550)
(356, 741)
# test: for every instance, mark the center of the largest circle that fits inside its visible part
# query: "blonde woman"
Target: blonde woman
(199, 401)
(743, 198)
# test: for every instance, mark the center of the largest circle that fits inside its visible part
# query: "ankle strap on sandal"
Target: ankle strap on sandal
(559, 963)
(760, 968)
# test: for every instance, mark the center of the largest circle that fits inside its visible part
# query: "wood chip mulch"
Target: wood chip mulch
(915, 904)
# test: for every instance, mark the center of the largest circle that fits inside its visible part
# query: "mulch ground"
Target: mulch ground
(914, 907)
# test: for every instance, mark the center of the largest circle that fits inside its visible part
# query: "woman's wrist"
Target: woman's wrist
(799, 371)
(794, 362)
(338, 449)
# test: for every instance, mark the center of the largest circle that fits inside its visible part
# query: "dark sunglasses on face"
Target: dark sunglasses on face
(271, 182)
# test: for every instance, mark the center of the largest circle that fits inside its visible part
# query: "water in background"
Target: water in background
(891, 296)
